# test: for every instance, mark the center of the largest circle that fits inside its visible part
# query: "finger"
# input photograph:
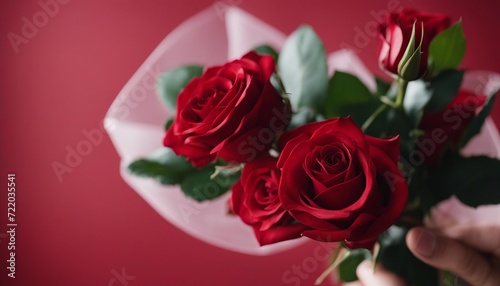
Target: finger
(483, 238)
(381, 276)
(449, 254)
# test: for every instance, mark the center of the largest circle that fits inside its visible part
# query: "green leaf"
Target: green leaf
(416, 98)
(169, 169)
(303, 69)
(443, 89)
(345, 89)
(473, 180)
(199, 186)
(447, 49)
(267, 50)
(152, 169)
(348, 96)
(171, 83)
(397, 258)
(347, 268)
(164, 166)
(477, 123)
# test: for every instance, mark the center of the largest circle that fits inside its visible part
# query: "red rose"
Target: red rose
(255, 199)
(446, 127)
(231, 111)
(343, 184)
(395, 34)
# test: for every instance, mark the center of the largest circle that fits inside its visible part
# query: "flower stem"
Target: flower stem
(403, 84)
(372, 117)
(339, 256)
(281, 85)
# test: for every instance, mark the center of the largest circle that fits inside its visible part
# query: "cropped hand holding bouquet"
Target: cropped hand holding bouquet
(305, 154)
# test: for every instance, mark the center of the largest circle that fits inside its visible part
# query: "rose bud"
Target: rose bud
(231, 111)
(405, 39)
(341, 183)
(255, 199)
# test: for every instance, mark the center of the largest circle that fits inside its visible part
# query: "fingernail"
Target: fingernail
(426, 243)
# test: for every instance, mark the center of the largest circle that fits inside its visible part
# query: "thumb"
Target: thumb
(449, 254)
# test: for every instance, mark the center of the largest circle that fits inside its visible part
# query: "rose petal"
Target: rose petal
(390, 146)
(278, 234)
(398, 194)
(327, 235)
(341, 195)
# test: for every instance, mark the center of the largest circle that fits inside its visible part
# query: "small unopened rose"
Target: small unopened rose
(341, 183)
(395, 33)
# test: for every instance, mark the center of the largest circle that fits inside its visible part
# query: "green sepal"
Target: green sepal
(171, 83)
(303, 69)
(447, 49)
(409, 65)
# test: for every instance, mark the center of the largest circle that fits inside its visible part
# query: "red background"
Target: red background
(78, 231)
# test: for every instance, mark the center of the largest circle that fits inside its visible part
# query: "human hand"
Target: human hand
(471, 253)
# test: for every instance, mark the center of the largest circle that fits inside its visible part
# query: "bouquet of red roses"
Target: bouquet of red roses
(305, 154)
